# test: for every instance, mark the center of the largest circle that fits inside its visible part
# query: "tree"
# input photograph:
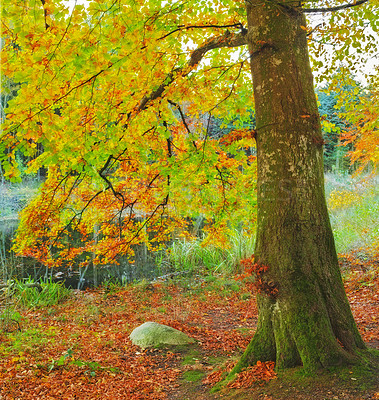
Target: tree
(306, 319)
(360, 109)
(332, 125)
(116, 71)
(342, 123)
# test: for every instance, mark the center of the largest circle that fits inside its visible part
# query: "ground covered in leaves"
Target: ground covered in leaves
(80, 349)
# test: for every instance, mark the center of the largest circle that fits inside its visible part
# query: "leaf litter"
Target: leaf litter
(81, 348)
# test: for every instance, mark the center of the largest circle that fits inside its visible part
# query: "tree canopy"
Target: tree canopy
(122, 96)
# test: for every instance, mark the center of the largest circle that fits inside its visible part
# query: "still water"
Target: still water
(144, 267)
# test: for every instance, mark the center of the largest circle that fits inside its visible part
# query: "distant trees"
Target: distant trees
(360, 108)
(348, 113)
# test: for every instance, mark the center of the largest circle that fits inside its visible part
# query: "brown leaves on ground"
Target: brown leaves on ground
(361, 276)
(81, 349)
(261, 372)
(216, 376)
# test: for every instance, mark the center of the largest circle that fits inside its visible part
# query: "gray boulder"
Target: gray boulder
(151, 334)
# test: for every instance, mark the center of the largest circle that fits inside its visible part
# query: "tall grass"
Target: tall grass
(16, 295)
(29, 294)
(191, 255)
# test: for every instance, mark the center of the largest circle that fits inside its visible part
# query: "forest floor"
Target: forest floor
(81, 349)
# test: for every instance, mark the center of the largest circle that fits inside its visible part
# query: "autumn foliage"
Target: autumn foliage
(119, 111)
(363, 132)
(261, 284)
(106, 106)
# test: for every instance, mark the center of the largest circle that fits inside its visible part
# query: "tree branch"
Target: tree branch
(226, 40)
(47, 26)
(184, 27)
(336, 8)
(177, 106)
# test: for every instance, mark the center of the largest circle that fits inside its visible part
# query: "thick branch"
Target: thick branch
(226, 40)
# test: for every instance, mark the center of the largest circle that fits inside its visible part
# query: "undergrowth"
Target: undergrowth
(353, 208)
(192, 255)
(27, 294)
(30, 294)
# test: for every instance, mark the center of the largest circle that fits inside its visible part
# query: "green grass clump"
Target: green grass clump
(29, 340)
(29, 294)
(193, 256)
(193, 376)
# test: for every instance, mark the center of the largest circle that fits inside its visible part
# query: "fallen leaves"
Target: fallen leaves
(103, 363)
(260, 372)
(362, 288)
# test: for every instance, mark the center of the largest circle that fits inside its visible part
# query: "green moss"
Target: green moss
(360, 377)
(191, 357)
(193, 376)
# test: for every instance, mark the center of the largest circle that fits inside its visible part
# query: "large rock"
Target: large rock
(152, 334)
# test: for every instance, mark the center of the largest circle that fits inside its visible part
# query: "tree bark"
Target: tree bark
(308, 321)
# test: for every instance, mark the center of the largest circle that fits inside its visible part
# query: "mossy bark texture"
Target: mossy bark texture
(309, 321)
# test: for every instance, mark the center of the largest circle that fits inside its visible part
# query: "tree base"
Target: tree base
(358, 378)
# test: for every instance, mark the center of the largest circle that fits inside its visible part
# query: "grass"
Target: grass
(193, 376)
(191, 255)
(47, 293)
(354, 208)
(28, 294)
(30, 340)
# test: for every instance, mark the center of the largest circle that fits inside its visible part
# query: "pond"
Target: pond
(144, 267)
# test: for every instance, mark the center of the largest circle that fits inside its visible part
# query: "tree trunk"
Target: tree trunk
(308, 321)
